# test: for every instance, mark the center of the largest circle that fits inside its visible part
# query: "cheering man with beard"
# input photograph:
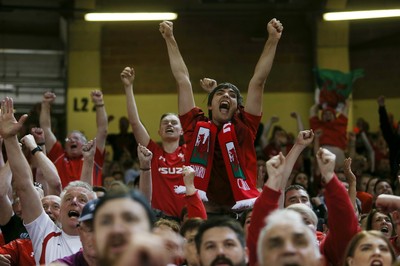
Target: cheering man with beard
(220, 240)
(117, 218)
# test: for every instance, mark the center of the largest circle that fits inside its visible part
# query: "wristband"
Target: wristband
(99, 105)
(38, 148)
(145, 169)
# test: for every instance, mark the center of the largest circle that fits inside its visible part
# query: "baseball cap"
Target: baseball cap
(88, 210)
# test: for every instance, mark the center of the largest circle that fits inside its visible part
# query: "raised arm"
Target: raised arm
(267, 128)
(296, 115)
(265, 203)
(344, 108)
(318, 133)
(388, 203)
(304, 138)
(45, 119)
(385, 126)
(5, 187)
(351, 144)
(47, 173)
(22, 174)
(88, 152)
(370, 149)
(45, 167)
(339, 208)
(256, 86)
(101, 119)
(326, 163)
(276, 167)
(314, 110)
(195, 206)
(140, 132)
(352, 180)
(145, 182)
(178, 68)
(38, 134)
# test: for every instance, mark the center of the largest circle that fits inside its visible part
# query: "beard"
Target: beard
(108, 257)
(105, 261)
(222, 259)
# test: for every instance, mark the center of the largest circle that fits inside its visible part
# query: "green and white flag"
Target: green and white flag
(335, 86)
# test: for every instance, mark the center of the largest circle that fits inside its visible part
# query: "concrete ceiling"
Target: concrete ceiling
(32, 57)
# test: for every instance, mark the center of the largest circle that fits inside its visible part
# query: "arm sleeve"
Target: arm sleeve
(12, 250)
(55, 151)
(189, 121)
(251, 121)
(195, 206)
(38, 230)
(263, 206)
(21, 252)
(342, 222)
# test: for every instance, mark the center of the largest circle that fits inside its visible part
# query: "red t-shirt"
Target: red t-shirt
(70, 169)
(366, 201)
(166, 171)
(334, 132)
(20, 250)
(246, 126)
(195, 207)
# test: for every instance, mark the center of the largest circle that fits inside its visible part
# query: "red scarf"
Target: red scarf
(201, 152)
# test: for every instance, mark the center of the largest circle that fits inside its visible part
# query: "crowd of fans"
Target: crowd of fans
(227, 194)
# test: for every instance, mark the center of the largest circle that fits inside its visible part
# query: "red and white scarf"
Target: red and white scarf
(201, 152)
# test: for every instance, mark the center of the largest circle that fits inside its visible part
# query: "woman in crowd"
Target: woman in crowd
(369, 248)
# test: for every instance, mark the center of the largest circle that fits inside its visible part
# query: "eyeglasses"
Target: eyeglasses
(72, 139)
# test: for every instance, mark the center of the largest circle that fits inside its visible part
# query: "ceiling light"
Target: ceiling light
(367, 14)
(6, 87)
(129, 16)
(31, 51)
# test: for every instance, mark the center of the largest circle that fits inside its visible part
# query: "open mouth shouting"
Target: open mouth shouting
(169, 130)
(117, 243)
(74, 214)
(385, 230)
(224, 106)
(376, 263)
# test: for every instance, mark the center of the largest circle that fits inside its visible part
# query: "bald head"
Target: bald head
(51, 205)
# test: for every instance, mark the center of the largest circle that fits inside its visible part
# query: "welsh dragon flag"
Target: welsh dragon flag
(335, 86)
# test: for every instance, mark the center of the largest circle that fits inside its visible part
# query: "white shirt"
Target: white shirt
(50, 240)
